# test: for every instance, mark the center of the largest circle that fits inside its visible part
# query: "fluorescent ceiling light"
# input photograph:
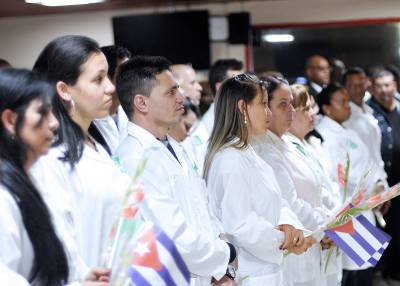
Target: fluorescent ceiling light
(54, 3)
(278, 38)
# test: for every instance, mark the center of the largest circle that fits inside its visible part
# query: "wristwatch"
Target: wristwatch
(230, 272)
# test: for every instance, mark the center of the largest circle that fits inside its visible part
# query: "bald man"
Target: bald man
(186, 76)
(317, 73)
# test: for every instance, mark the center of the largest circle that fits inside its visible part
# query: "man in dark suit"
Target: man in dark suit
(318, 73)
(387, 111)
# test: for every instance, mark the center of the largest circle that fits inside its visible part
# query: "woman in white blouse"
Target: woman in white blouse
(243, 190)
(32, 247)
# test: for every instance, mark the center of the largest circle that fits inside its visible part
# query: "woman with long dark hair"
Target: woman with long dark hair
(83, 182)
(28, 239)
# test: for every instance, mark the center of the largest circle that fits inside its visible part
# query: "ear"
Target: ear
(217, 85)
(241, 106)
(63, 91)
(140, 103)
(326, 109)
(9, 120)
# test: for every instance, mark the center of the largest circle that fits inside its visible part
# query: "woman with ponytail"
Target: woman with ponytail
(81, 180)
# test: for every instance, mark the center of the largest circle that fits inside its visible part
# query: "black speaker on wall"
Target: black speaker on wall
(239, 28)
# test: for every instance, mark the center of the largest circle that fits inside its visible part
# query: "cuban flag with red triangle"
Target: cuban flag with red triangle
(156, 261)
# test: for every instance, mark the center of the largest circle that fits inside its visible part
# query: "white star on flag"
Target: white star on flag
(142, 248)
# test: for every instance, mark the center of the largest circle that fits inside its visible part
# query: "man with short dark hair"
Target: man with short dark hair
(317, 71)
(387, 111)
(219, 71)
(174, 197)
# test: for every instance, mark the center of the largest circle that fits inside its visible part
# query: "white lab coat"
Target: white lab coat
(330, 198)
(366, 126)
(174, 200)
(302, 189)
(247, 200)
(16, 251)
(196, 144)
(113, 133)
(10, 278)
(208, 118)
(339, 141)
(89, 196)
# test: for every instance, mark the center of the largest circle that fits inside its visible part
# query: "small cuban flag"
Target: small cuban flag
(156, 261)
(360, 240)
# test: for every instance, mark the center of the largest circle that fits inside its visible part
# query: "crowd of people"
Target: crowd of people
(239, 189)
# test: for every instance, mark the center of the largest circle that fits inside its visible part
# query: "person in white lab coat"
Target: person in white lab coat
(298, 181)
(113, 127)
(198, 140)
(174, 197)
(339, 141)
(303, 123)
(243, 190)
(219, 71)
(362, 120)
(32, 246)
(78, 175)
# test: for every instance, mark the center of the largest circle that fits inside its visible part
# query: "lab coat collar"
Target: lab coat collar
(272, 138)
(357, 110)
(330, 124)
(145, 136)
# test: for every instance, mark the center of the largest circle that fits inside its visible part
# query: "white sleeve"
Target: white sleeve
(10, 232)
(205, 256)
(248, 230)
(9, 277)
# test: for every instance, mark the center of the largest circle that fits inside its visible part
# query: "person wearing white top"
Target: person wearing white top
(113, 127)
(174, 197)
(304, 122)
(298, 181)
(34, 247)
(362, 120)
(77, 169)
(244, 193)
(340, 142)
(219, 71)
(198, 139)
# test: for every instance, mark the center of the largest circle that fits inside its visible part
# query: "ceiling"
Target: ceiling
(15, 8)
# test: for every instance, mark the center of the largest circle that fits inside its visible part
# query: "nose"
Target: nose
(179, 96)
(53, 122)
(199, 87)
(110, 88)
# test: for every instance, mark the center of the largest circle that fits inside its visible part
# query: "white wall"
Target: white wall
(23, 38)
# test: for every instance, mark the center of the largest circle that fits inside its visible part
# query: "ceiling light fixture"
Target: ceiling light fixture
(278, 38)
(54, 3)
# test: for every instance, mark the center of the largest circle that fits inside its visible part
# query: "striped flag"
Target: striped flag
(360, 240)
(156, 261)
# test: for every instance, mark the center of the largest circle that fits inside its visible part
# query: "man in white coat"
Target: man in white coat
(174, 199)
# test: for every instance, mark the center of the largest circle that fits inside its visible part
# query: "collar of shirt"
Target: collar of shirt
(272, 138)
(145, 136)
(330, 124)
(315, 86)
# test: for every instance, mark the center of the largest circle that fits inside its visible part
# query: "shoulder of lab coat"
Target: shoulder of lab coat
(208, 118)
(204, 255)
